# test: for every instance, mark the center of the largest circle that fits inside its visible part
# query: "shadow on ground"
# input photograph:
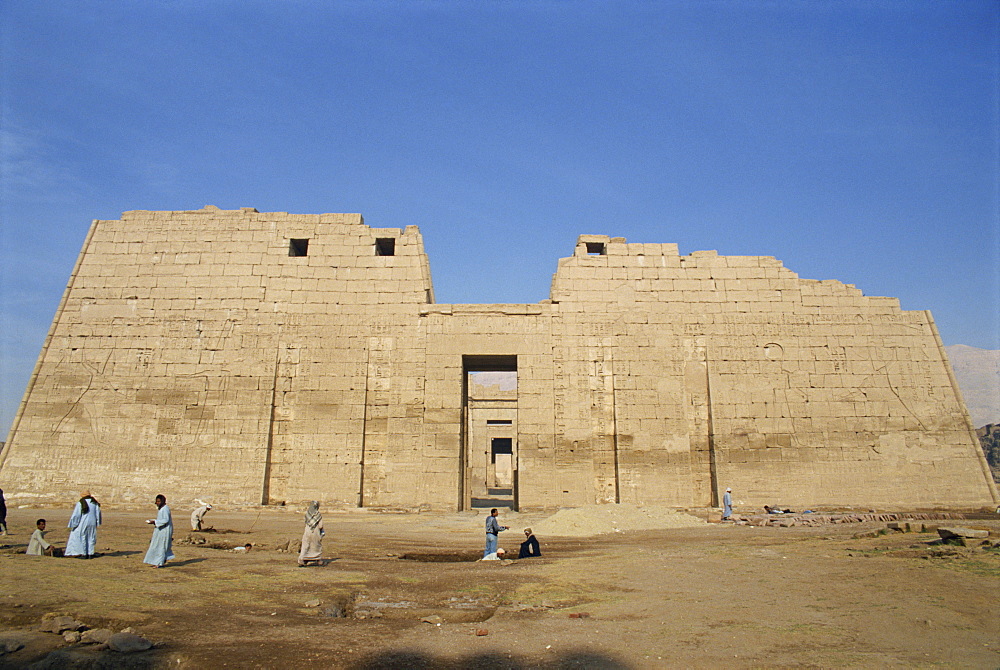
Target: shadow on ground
(415, 660)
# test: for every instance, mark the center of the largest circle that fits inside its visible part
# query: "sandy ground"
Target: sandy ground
(701, 595)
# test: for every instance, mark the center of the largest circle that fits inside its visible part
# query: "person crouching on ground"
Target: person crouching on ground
(38, 545)
(163, 535)
(493, 528)
(529, 548)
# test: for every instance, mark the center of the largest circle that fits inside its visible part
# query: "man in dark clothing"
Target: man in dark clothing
(529, 547)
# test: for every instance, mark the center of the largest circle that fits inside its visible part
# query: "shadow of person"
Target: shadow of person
(86, 657)
(408, 659)
(397, 660)
(177, 564)
(122, 553)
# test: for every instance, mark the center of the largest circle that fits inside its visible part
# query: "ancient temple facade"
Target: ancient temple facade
(270, 357)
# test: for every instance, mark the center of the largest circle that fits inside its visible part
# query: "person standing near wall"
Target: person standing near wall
(727, 504)
(312, 537)
(163, 535)
(493, 528)
(83, 527)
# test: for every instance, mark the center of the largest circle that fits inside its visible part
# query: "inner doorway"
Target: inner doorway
(490, 432)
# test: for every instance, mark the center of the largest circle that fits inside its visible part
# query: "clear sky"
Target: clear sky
(852, 140)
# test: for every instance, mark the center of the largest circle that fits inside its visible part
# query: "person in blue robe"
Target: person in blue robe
(83, 527)
(727, 505)
(163, 535)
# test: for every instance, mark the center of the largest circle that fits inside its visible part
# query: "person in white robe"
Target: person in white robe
(38, 545)
(198, 515)
(163, 535)
(83, 527)
(312, 538)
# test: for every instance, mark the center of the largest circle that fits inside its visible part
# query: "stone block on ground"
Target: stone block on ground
(950, 532)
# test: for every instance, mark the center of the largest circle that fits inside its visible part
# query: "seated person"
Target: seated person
(529, 548)
(775, 510)
(38, 545)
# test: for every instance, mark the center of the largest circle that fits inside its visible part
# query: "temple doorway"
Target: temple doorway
(490, 432)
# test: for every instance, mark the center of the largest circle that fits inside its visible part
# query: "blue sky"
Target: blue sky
(852, 140)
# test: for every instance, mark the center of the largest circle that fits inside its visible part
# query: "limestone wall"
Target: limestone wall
(268, 357)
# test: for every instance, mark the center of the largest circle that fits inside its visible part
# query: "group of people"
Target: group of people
(83, 523)
(727, 506)
(529, 548)
(37, 545)
(86, 518)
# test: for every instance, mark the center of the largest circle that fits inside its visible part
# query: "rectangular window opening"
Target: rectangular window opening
(385, 246)
(500, 445)
(499, 422)
(298, 247)
(596, 249)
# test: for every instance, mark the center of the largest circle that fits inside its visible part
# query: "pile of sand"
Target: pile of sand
(598, 519)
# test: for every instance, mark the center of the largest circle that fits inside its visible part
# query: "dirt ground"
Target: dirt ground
(707, 596)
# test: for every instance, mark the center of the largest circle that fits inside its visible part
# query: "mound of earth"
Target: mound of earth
(600, 519)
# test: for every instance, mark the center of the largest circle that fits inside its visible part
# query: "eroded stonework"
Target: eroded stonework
(268, 357)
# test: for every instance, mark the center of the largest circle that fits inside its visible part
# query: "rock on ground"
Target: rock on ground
(128, 642)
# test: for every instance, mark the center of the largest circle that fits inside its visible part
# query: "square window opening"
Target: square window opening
(596, 249)
(298, 247)
(385, 246)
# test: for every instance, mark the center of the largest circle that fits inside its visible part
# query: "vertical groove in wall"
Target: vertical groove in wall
(699, 423)
(614, 432)
(48, 339)
(713, 475)
(983, 463)
(364, 428)
(464, 499)
(266, 488)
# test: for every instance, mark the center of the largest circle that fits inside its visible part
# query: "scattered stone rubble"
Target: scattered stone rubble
(78, 633)
(822, 519)
(960, 536)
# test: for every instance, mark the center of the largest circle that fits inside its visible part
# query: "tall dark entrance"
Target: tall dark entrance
(489, 435)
